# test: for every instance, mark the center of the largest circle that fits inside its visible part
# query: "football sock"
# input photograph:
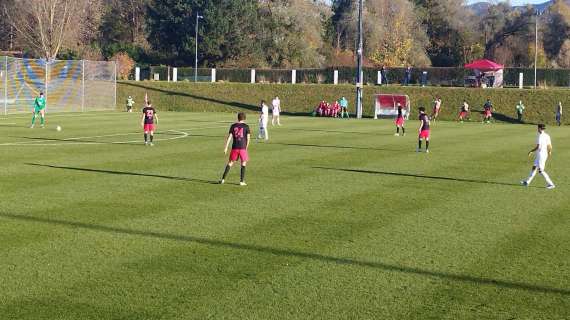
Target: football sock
(403, 130)
(145, 137)
(42, 120)
(547, 178)
(397, 129)
(33, 119)
(427, 144)
(242, 174)
(419, 144)
(151, 137)
(226, 171)
(531, 176)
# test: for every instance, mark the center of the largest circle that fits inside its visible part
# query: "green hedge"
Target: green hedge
(302, 98)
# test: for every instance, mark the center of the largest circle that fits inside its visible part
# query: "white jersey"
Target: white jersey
(543, 141)
(276, 103)
(264, 112)
(437, 104)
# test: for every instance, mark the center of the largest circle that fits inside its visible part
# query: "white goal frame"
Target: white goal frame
(385, 105)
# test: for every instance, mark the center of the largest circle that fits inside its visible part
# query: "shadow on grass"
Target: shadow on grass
(333, 146)
(411, 175)
(125, 173)
(462, 278)
(328, 131)
(236, 104)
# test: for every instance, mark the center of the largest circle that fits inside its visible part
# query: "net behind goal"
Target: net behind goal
(69, 86)
(386, 105)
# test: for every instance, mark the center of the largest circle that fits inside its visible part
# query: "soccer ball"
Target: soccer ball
(58, 128)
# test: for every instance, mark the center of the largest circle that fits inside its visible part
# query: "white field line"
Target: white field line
(182, 132)
(26, 115)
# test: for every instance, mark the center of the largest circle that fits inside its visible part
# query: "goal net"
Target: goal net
(386, 105)
(69, 86)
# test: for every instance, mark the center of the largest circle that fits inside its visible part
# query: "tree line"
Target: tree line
(286, 33)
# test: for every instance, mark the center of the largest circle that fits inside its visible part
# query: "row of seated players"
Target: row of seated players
(325, 109)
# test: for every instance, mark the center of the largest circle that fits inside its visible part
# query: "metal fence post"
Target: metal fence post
(82, 85)
(6, 85)
(46, 84)
(115, 91)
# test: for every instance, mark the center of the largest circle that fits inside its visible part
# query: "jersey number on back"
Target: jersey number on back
(238, 133)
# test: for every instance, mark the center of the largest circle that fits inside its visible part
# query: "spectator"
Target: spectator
(520, 109)
(344, 107)
(383, 77)
(408, 76)
(559, 113)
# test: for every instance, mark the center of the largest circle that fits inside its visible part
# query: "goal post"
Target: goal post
(68, 85)
(386, 105)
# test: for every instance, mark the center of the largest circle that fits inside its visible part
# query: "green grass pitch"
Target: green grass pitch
(340, 220)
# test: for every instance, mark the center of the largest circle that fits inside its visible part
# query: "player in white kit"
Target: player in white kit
(263, 119)
(276, 104)
(543, 150)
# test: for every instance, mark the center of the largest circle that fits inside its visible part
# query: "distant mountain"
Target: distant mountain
(480, 8)
(540, 6)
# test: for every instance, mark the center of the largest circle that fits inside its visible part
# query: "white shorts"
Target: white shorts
(540, 162)
(263, 123)
(275, 112)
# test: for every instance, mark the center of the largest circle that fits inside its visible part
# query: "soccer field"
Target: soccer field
(340, 220)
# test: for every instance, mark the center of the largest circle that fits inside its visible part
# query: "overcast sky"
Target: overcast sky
(515, 2)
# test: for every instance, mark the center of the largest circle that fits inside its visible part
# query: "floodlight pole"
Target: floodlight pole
(198, 17)
(535, 45)
(359, 80)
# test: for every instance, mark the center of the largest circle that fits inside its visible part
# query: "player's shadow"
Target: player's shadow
(504, 118)
(386, 267)
(332, 146)
(501, 117)
(125, 173)
(412, 175)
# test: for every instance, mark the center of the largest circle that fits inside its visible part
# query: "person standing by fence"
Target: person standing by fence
(130, 104)
(343, 107)
(520, 109)
(383, 77)
(559, 113)
(408, 76)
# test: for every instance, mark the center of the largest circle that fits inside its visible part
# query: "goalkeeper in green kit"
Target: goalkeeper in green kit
(39, 107)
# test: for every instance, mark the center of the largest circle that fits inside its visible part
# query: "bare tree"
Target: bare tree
(44, 25)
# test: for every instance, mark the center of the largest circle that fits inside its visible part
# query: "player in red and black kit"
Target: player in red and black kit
(149, 117)
(400, 121)
(487, 111)
(423, 130)
(241, 136)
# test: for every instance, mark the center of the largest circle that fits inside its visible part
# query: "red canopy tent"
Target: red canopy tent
(484, 65)
(487, 73)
